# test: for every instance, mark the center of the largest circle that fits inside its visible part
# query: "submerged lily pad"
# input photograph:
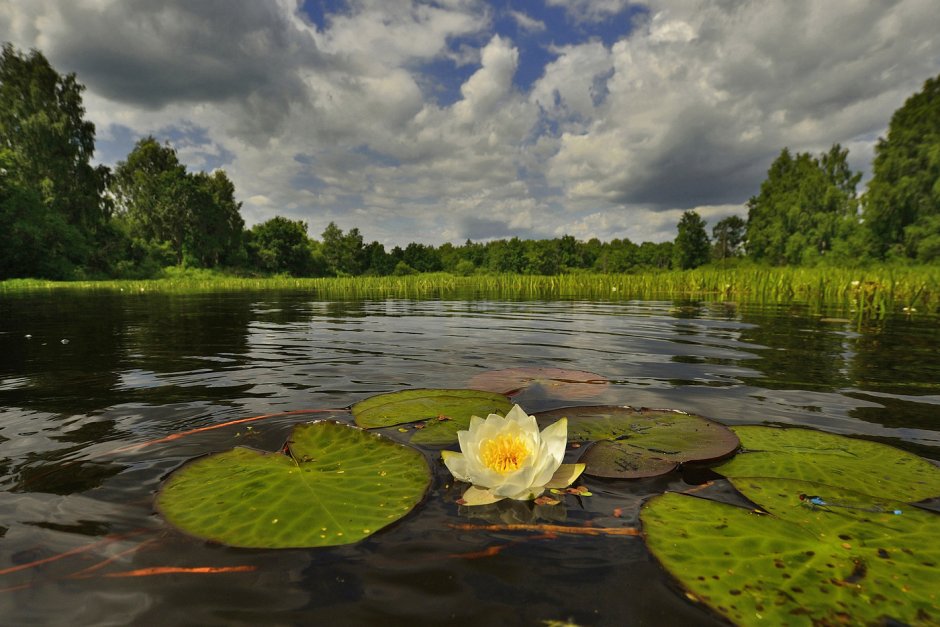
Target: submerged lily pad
(867, 467)
(336, 485)
(445, 411)
(635, 443)
(800, 564)
(555, 382)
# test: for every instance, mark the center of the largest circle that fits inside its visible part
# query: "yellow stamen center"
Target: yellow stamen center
(504, 453)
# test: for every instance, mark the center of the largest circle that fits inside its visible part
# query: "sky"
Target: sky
(450, 120)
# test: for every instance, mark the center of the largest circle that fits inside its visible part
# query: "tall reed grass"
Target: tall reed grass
(874, 291)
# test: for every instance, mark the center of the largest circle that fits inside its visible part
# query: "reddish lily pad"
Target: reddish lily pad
(555, 382)
(636, 443)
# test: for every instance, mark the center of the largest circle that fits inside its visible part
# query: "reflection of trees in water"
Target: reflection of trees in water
(345, 309)
(168, 332)
(181, 347)
(894, 355)
(300, 307)
(39, 473)
(898, 355)
(896, 412)
(62, 394)
(111, 334)
(76, 344)
(796, 350)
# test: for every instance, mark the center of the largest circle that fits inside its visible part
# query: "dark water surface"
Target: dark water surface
(82, 375)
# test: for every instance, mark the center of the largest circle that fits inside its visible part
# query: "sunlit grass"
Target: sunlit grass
(873, 291)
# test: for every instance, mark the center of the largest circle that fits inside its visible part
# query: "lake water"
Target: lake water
(83, 375)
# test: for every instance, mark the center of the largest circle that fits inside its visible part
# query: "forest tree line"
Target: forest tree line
(61, 217)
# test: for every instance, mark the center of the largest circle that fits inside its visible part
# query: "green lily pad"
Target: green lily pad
(445, 412)
(555, 382)
(336, 485)
(860, 465)
(635, 443)
(800, 564)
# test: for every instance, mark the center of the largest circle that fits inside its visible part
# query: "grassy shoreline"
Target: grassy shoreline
(871, 291)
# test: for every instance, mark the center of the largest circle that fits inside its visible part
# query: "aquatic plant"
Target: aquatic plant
(858, 551)
(335, 485)
(508, 457)
(870, 292)
(806, 527)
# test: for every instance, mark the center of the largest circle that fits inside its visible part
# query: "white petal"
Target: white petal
(519, 416)
(516, 414)
(465, 440)
(457, 465)
(527, 495)
(565, 475)
(478, 496)
(555, 437)
(516, 482)
(466, 437)
(542, 474)
(470, 446)
(475, 423)
(491, 427)
(552, 452)
(489, 478)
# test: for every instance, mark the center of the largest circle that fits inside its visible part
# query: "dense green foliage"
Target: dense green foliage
(62, 218)
(194, 216)
(691, 249)
(281, 246)
(728, 237)
(902, 207)
(52, 207)
(807, 209)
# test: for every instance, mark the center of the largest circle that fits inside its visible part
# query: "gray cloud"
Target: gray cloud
(245, 57)
(478, 229)
(154, 53)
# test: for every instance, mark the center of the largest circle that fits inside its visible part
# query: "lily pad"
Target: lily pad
(623, 460)
(445, 412)
(860, 465)
(635, 443)
(336, 485)
(800, 564)
(555, 382)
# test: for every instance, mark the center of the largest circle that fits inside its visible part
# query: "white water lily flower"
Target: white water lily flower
(507, 457)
